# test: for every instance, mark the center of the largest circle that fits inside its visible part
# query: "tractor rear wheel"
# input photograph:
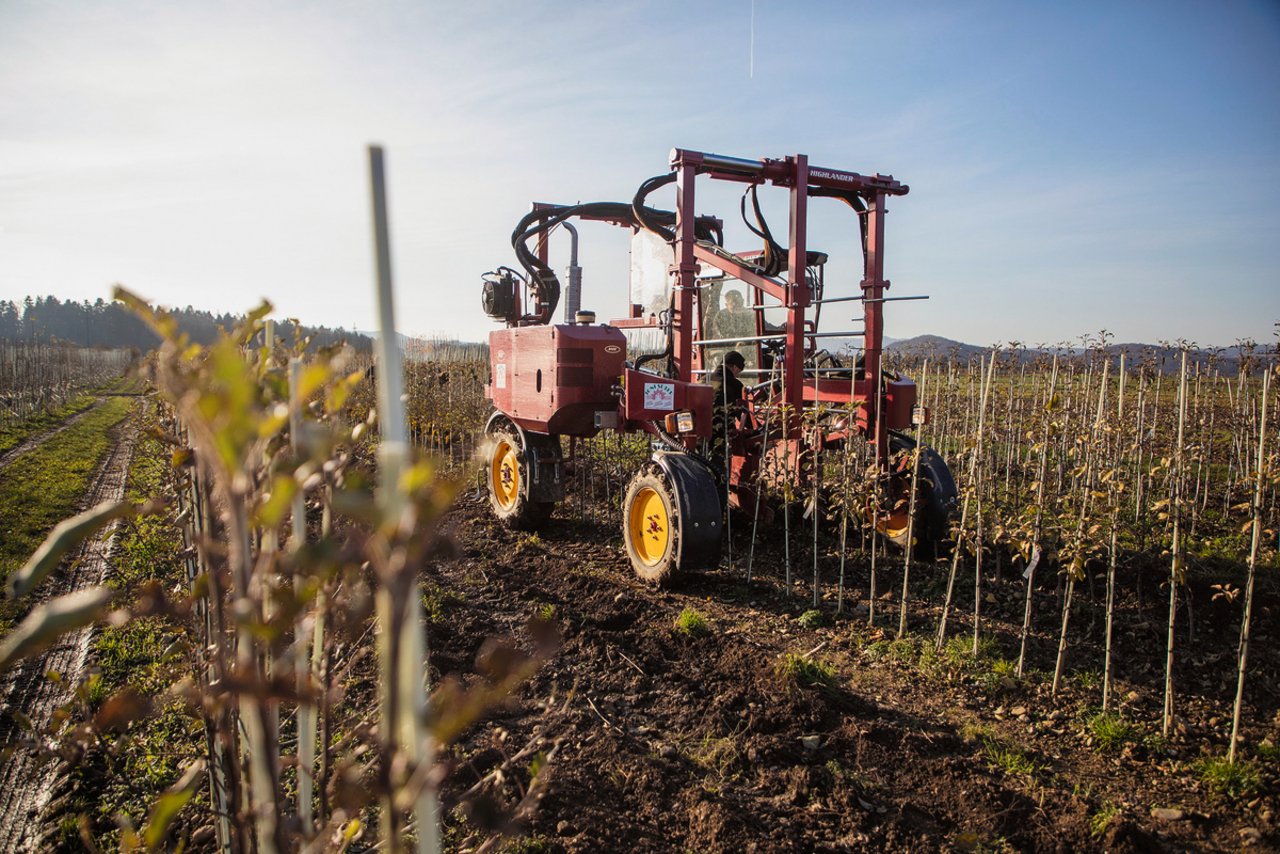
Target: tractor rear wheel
(671, 519)
(935, 500)
(508, 480)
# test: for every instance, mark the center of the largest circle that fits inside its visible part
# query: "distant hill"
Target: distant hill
(1164, 358)
(935, 347)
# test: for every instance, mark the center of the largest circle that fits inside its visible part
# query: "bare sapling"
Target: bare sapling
(1176, 561)
(979, 481)
(1079, 550)
(911, 509)
(1114, 482)
(1034, 549)
(1255, 540)
(970, 491)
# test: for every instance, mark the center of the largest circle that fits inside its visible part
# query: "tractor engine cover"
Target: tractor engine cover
(555, 378)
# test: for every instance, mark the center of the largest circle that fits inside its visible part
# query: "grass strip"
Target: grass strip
(16, 432)
(46, 485)
(128, 769)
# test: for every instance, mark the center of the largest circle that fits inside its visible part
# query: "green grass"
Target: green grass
(1111, 732)
(804, 671)
(436, 601)
(999, 752)
(812, 619)
(46, 485)
(692, 624)
(14, 433)
(1101, 820)
(146, 655)
(1010, 758)
(1238, 779)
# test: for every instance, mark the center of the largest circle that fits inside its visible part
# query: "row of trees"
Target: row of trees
(102, 323)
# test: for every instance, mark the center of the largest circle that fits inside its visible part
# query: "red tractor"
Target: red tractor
(711, 446)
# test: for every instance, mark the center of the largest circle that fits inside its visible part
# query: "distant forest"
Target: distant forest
(110, 324)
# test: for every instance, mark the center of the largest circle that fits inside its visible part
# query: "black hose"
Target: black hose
(774, 258)
(543, 279)
(854, 201)
(640, 211)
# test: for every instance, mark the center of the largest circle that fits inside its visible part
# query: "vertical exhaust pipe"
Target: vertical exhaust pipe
(573, 294)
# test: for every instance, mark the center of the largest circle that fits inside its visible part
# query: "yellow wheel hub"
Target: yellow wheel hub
(505, 474)
(650, 526)
(895, 525)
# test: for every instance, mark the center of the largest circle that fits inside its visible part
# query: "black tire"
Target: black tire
(935, 499)
(671, 519)
(650, 525)
(508, 479)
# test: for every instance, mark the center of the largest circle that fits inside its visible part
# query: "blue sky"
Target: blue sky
(1073, 167)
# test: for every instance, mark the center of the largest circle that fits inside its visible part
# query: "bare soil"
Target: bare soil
(664, 741)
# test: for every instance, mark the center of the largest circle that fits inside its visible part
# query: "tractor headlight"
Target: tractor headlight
(678, 422)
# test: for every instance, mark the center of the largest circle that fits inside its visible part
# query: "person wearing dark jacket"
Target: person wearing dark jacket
(728, 386)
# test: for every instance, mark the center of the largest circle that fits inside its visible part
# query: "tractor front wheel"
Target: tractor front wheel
(671, 519)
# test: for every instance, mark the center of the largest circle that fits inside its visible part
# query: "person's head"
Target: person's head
(734, 362)
(733, 300)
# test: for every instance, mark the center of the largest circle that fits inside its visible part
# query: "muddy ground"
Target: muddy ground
(36, 689)
(666, 741)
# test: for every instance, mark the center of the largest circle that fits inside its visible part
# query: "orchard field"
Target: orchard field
(233, 666)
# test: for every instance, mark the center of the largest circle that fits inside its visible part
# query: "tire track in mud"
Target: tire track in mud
(27, 780)
(32, 442)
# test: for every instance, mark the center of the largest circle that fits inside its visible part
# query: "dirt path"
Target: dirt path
(27, 782)
(40, 438)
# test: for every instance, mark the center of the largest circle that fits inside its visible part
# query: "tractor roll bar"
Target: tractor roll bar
(780, 172)
(862, 298)
(715, 342)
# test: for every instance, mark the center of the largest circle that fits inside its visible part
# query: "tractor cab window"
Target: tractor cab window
(727, 318)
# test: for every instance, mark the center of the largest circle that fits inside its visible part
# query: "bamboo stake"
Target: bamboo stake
(306, 711)
(978, 482)
(401, 645)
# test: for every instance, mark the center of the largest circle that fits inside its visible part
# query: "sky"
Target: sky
(1073, 167)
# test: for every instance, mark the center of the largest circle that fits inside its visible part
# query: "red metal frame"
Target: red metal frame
(795, 174)
(802, 181)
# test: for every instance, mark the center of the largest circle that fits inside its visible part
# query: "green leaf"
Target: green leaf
(47, 622)
(276, 503)
(167, 806)
(65, 535)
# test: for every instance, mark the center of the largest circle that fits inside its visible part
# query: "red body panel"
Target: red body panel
(555, 378)
(899, 400)
(648, 397)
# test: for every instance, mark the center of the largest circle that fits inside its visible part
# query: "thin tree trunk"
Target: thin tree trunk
(1034, 559)
(1175, 563)
(1253, 565)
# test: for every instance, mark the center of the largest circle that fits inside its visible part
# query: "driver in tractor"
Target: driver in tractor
(734, 435)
